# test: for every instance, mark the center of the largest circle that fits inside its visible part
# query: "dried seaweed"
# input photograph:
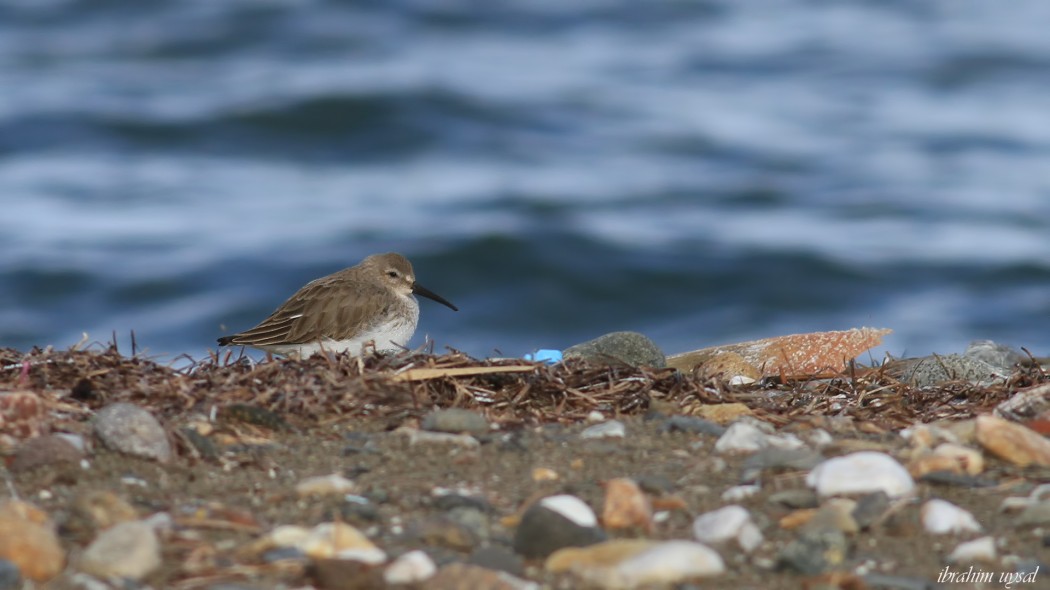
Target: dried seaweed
(328, 388)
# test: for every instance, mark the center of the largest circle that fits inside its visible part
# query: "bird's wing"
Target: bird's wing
(322, 309)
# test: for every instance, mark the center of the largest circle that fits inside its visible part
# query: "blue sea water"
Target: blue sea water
(702, 171)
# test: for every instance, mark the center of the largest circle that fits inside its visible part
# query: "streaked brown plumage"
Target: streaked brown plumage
(369, 303)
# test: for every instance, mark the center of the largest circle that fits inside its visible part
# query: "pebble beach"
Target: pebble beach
(419, 471)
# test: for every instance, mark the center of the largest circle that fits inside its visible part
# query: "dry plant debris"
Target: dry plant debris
(75, 383)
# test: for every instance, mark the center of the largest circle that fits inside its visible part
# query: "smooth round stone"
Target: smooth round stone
(815, 551)
(494, 557)
(126, 550)
(556, 522)
(43, 451)
(748, 436)
(28, 541)
(1012, 442)
(626, 505)
(336, 541)
(693, 425)
(869, 508)
(619, 348)
(982, 549)
(795, 498)
(610, 429)
(741, 492)
(777, 458)
(455, 420)
(936, 369)
(999, 356)
(10, 576)
(462, 576)
(862, 472)
(411, 568)
(442, 531)
(944, 518)
(127, 428)
(660, 566)
(731, 523)
(324, 485)
(1035, 514)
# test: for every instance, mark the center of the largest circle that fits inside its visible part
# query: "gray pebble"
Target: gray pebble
(936, 369)
(777, 458)
(870, 507)
(455, 420)
(692, 425)
(796, 498)
(947, 478)
(1000, 356)
(10, 576)
(619, 348)
(815, 551)
(498, 558)
(42, 451)
(472, 519)
(543, 531)
(442, 531)
(656, 485)
(130, 429)
(1037, 514)
(450, 502)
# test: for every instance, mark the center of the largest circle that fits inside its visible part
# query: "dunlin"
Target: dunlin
(370, 304)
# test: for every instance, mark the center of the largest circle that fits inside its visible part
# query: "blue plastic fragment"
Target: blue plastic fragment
(549, 356)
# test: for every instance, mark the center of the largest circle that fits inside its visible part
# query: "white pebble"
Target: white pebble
(424, 437)
(858, 473)
(941, 518)
(411, 568)
(982, 549)
(748, 437)
(571, 508)
(820, 438)
(665, 564)
(324, 485)
(610, 429)
(728, 524)
(741, 492)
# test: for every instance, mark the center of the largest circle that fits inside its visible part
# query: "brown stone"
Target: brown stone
(461, 576)
(723, 413)
(22, 414)
(603, 554)
(947, 457)
(42, 451)
(626, 506)
(28, 540)
(1012, 442)
(102, 509)
(345, 574)
(797, 518)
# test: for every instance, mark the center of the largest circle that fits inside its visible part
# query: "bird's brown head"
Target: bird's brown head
(396, 271)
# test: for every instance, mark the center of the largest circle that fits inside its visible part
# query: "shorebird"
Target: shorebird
(370, 304)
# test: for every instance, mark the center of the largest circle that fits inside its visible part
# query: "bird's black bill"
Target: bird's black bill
(419, 290)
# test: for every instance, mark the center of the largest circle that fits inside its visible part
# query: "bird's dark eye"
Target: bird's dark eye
(392, 274)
